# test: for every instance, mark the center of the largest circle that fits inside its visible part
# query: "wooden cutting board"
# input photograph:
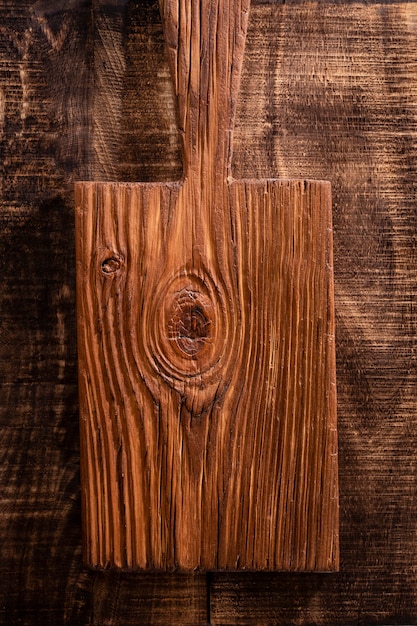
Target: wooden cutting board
(206, 343)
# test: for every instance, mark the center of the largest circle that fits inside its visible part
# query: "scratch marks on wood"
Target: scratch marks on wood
(109, 75)
(2, 110)
(43, 10)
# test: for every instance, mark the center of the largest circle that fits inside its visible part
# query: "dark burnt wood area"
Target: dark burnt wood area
(329, 91)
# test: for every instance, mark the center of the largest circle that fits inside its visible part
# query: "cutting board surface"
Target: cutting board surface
(206, 343)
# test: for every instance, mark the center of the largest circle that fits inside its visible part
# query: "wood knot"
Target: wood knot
(186, 329)
(189, 323)
(111, 264)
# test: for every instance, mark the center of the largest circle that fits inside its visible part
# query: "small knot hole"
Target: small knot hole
(189, 324)
(111, 265)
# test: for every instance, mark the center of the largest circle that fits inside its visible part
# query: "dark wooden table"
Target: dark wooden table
(329, 91)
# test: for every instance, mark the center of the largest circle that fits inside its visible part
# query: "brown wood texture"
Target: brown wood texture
(329, 89)
(47, 73)
(206, 344)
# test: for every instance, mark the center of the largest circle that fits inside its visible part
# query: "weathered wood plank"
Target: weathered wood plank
(46, 126)
(126, 598)
(43, 144)
(361, 128)
(108, 78)
(206, 345)
(348, 111)
(150, 146)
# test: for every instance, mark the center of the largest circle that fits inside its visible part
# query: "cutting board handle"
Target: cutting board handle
(205, 40)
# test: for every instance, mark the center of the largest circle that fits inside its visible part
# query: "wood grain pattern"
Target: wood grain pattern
(46, 115)
(349, 114)
(39, 449)
(330, 87)
(206, 344)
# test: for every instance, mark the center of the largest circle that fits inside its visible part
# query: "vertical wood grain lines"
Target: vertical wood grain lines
(329, 91)
(232, 466)
(206, 343)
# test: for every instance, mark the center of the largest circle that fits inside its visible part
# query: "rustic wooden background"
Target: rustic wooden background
(329, 91)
